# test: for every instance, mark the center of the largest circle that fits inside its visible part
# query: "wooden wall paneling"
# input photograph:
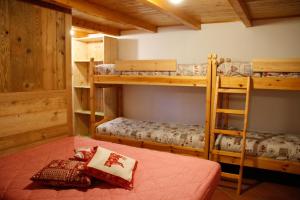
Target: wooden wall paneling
(95, 50)
(60, 72)
(110, 50)
(26, 111)
(32, 136)
(79, 51)
(25, 44)
(34, 97)
(80, 124)
(81, 72)
(81, 99)
(68, 72)
(49, 48)
(99, 99)
(5, 79)
(31, 102)
(110, 102)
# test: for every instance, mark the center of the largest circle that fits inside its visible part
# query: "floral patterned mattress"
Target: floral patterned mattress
(167, 133)
(182, 70)
(270, 145)
(245, 69)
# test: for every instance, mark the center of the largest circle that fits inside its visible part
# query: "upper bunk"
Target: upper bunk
(151, 72)
(269, 74)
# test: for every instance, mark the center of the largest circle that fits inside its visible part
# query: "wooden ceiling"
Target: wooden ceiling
(114, 16)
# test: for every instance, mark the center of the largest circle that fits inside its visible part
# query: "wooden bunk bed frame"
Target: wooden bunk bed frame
(266, 83)
(113, 88)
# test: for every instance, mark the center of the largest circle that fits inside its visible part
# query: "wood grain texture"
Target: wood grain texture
(189, 81)
(33, 58)
(279, 65)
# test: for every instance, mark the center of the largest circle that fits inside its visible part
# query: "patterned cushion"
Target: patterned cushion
(112, 167)
(63, 173)
(84, 153)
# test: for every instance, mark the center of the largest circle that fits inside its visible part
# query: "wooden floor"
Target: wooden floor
(262, 191)
(261, 185)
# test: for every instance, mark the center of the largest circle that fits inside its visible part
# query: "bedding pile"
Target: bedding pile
(166, 133)
(270, 145)
(182, 70)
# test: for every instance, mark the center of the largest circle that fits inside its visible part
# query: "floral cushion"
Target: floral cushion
(112, 167)
(167, 133)
(276, 146)
(63, 173)
(182, 70)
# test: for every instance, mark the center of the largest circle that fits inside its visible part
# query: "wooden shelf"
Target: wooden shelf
(82, 86)
(86, 61)
(90, 39)
(88, 112)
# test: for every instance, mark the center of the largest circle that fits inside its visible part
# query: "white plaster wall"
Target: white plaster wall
(275, 111)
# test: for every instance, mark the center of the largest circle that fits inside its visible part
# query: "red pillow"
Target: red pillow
(63, 173)
(84, 153)
(112, 167)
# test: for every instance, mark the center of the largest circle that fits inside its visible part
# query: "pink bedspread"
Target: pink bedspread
(159, 175)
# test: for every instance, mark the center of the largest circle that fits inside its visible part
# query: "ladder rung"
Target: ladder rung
(234, 91)
(231, 111)
(229, 132)
(227, 153)
(229, 175)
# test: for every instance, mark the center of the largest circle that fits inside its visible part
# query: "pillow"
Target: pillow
(63, 173)
(84, 153)
(112, 167)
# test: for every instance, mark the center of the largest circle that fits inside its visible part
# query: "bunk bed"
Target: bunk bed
(278, 152)
(142, 133)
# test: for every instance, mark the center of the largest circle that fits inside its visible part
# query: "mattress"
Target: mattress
(182, 70)
(167, 133)
(245, 69)
(159, 175)
(276, 146)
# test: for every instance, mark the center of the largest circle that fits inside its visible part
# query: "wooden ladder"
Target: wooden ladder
(238, 133)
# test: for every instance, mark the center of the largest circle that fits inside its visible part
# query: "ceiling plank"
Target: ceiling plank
(82, 23)
(240, 8)
(165, 7)
(105, 13)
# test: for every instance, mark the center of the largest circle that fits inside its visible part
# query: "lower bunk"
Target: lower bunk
(159, 175)
(172, 137)
(264, 150)
(279, 152)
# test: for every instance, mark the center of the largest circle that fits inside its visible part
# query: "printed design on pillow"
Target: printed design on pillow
(84, 153)
(166, 133)
(112, 167)
(277, 146)
(113, 159)
(63, 173)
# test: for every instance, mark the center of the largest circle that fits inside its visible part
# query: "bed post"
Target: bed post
(207, 107)
(92, 97)
(213, 86)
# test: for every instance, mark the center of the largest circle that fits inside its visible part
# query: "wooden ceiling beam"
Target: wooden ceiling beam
(240, 8)
(105, 13)
(82, 23)
(168, 9)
